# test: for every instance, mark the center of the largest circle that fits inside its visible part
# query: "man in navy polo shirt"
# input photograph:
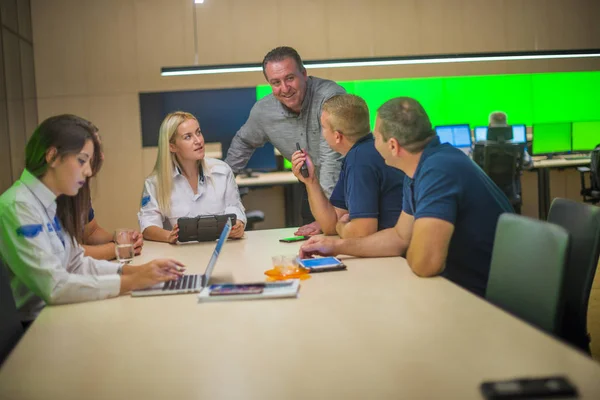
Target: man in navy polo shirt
(450, 208)
(368, 194)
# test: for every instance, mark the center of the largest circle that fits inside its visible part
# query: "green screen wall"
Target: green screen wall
(526, 98)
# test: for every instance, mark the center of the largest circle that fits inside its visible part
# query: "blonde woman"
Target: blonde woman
(185, 183)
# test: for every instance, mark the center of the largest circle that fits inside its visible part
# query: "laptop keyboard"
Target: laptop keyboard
(185, 283)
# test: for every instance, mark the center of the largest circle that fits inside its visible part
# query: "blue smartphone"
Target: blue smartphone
(322, 264)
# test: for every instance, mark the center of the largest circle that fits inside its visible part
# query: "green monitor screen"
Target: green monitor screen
(586, 135)
(551, 138)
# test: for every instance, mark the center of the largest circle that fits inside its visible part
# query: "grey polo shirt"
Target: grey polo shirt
(271, 121)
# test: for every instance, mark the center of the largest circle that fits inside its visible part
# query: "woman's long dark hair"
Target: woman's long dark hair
(68, 134)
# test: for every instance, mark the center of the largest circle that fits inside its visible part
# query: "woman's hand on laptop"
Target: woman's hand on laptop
(149, 274)
(237, 231)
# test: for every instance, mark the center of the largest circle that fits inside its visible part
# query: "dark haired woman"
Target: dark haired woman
(46, 265)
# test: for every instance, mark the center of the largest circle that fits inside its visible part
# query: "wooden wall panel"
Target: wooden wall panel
(120, 182)
(302, 25)
(24, 19)
(8, 11)
(163, 38)
(394, 28)
(254, 29)
(350, 28)
(14, 105)
(520, 27)
(48, 107)
(5, 163)
(16, 128)
(59, 39)
(110, 61)
(214, 20)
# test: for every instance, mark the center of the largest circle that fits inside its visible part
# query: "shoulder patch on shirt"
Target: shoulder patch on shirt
(29, 231)
(145, 201)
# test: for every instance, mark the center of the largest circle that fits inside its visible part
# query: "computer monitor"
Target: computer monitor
(519, 134)
(462, 136)
(263, 159)
(457, 135)
(445, 134)
(480, 133)
(551, 138)
(586, 135)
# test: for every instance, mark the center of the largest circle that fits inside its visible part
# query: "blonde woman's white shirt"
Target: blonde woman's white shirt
(217, 194)
(44, 265)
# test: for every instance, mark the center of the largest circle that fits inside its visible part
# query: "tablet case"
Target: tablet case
(203, 228)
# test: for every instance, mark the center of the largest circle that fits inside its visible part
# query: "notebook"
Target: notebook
(189, 283)
(250, 291)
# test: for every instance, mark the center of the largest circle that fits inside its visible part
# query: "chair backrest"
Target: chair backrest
(595, 168)
(582, 221)
(10, 325)
(527, 270)
(502, 162)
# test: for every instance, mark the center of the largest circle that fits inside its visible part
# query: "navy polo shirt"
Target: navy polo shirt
(449, 186)
(367, 187)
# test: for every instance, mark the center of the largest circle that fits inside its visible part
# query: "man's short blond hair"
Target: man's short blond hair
(349, 115)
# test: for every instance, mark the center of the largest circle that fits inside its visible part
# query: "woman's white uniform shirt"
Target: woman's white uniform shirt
(45, 266)
(217, 194)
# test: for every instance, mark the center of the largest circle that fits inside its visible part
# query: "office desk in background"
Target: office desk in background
(543, 171)
(374, 331)
(291, 189)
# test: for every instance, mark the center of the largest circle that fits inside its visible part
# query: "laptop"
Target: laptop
(189, 283)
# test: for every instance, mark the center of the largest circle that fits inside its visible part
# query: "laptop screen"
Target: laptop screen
(218, 247)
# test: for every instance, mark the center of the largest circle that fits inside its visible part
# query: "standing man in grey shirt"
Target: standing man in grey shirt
(288, 116)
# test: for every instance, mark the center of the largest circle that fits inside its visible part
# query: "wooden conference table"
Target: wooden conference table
(374, 331)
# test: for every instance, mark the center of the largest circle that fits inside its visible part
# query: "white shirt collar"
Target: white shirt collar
(39, 190)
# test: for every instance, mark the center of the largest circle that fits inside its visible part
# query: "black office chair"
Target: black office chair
(591, 194)
(503, 163)
(527, 270)
(10, 325)
(254, 216)
(582, 221)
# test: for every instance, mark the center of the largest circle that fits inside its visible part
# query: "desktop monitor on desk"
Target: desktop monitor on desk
(457, 135)
(519, 133)
(263, 159)
(551, 139)
(586, 135)
(481, 133)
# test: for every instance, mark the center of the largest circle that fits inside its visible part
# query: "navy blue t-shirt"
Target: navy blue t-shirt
(367, 187)
(90, 214)
(449, 186)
